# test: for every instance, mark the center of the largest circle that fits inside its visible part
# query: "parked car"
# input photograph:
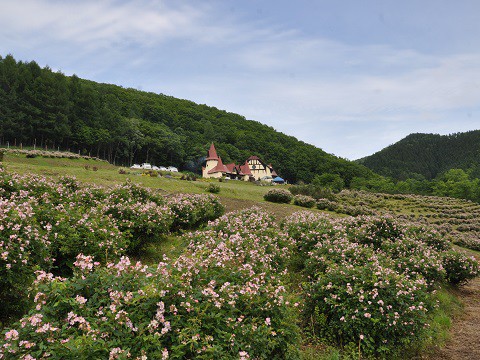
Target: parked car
(172, 169)
(162, 168)
(136, 166)
(156, 168)
(146, 166)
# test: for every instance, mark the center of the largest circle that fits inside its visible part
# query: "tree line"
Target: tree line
(47, 109)
(427, 156)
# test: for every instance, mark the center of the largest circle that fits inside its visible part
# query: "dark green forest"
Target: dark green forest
(46, 109)
(427, 156)
(427, 164)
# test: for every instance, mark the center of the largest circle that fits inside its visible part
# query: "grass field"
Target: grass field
(236, 195)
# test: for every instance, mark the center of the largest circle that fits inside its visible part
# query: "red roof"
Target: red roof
(245, 169)
(212, 153)
(231, 167)
(219, 168)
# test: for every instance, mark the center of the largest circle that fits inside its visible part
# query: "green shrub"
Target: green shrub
(213, 188)
(374, 230)
(304, 201)
(325, 204)
(73, 228)
(459, 267)
(372, 307)
(278, 196)
(140, 221)
(189, 176)
(191, 211)
(24, 249)
(70, 183)
(130, 192)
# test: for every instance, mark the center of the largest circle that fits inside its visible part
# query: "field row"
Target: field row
(245, 287)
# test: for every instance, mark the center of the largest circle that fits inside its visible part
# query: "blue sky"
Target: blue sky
(350, 77)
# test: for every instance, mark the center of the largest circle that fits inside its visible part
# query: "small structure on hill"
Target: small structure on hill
(253, 168)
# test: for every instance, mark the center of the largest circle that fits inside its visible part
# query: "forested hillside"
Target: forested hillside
(48, 109)
(428, 155)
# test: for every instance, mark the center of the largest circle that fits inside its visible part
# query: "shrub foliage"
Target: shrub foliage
(244, 288)
(278, 196)
(45, 224)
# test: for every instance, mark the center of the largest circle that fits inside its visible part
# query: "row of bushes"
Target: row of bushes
(462, 216)
(365, 284)
(223, 298)
(285, 197)
(48, 154)
(370, 282)
(46, 223)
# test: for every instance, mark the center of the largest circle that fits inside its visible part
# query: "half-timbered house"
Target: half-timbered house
(253, 168)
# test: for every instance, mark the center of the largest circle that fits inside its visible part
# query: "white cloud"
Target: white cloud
(104, 23)
(319, 89)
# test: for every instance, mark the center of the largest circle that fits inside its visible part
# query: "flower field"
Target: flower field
(45, 224)
(245, 287)
(458, 218)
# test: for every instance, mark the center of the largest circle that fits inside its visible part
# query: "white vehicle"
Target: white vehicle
(146, 166)
(156, 168)
(163, 168)
(172, 169)
(136, 166)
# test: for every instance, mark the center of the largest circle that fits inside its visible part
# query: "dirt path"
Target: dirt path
(465, 332)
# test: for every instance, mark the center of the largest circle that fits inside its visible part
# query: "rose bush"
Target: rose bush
(224, 298)
(278, 196)
(370, 281)
(190, 211)
(44, 224)
(304, 201)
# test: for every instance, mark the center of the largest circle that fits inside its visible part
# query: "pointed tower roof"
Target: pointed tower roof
(212, 153)
(219, 168)
(245, 169)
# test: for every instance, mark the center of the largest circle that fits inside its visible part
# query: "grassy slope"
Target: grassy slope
(234, 195)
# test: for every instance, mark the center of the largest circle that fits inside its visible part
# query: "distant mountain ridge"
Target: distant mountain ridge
(428, 155)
